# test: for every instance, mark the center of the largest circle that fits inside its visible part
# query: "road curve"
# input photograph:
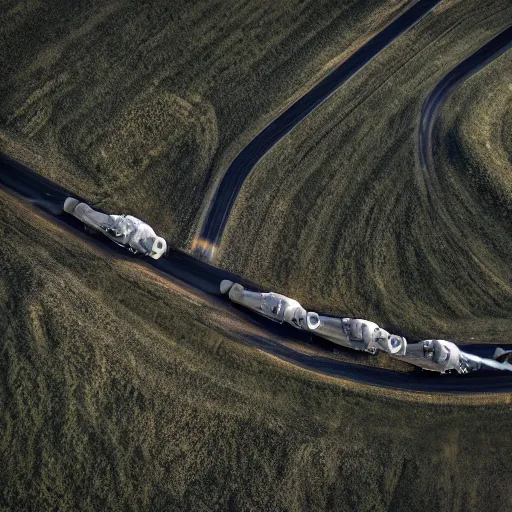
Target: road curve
(486, 54)
(227, 191)
(49, 197)
(434, 183)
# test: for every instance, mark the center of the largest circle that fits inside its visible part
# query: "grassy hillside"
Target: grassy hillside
(118, 391)
(337, 216)
(138, 105)
(476, 131)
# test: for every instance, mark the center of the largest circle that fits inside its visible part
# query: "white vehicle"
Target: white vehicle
(348, 332)
(356, 333)
(125, 230)
(436, 355)
(272, 305)
(443, 356)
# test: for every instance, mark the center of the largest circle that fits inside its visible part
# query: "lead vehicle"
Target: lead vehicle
(125, 230)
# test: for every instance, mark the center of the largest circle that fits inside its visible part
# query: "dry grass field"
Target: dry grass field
(118, 391)
(336, 214)
(138, 105)
(476, 131)
(121, 391)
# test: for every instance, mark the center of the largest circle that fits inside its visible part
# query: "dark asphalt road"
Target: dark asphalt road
(49, 197)
(486, 54)
(230, 185)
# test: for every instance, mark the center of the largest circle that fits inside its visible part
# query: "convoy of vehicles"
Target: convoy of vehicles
(355, 333)
(435, 355)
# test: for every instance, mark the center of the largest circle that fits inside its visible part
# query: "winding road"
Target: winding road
(225, 196)
(468, 67)
(49, 197)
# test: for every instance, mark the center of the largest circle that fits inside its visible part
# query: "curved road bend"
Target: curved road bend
(486, 54)
(428, 174)
(50, 197)
(231, 183)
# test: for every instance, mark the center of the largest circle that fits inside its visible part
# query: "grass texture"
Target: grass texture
(119, 391)
(139, 105)
(476, 131)
(337, 214)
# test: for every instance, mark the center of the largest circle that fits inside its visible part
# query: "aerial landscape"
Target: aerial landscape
(256, 255)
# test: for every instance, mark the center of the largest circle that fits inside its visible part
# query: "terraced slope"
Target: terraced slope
(137, 106)
(118, 391)
(336, 215)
